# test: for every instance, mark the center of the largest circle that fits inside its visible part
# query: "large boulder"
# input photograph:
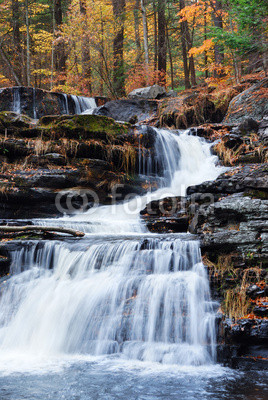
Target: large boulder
(38, 102)
(252, 103)
(150, 92)
(128, 110)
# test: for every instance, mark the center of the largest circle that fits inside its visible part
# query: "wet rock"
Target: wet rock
(235, 223)
(47, 159)
(252, 178)
(263, 131)
(14, 148)
(251, 103)
(232, 141)
(167, 225)
(246, 332)
(128, 110)
(254, 292)
(261, 311)
(44, 178)
(4, 265)
(166, 215)
(150, 92)
(248, 125)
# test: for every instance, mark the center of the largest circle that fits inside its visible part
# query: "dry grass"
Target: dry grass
(223, 266)
(236, 304)
(226, 155)
(41, 147)
(126, 155)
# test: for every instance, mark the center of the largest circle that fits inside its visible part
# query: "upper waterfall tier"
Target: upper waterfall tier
(182, 160)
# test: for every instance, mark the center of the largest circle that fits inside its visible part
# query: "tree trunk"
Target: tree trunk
(155, 36)
(189, 46)
(205, 37)
(33, 228)
(86, 56)
(170, 60)
(9, 65)
(162, 43)
(137, 29)
(17, 56)
(145, 33)
(218, 49)
(118, 47)
(28, 70)
(52, 47)
(183, 27)
(60, 53)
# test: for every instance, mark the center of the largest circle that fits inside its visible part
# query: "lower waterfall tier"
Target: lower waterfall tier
(146, 298)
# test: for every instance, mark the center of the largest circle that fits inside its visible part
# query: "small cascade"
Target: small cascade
(88, 104)
(34, 104)
(83, 105)
(65, 104)
(16, 100)
(145, 298)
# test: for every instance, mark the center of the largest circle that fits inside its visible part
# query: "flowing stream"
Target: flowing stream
(121, 313)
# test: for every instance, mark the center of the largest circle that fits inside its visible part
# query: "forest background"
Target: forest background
(110, 47)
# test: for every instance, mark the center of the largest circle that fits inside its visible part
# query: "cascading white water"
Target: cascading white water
(184, 160)
(146, 298)
(65, 104)
(16, 100)
(84, 105)
(142, 297)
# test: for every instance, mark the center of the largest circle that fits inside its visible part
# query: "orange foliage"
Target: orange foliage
(142, 75)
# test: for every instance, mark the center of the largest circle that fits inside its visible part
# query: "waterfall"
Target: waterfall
(65, 104)
(183, 160)
(146, 298)
(34, 104)
(88, 104)
(16, 100)
(120, 290)
(84, 105)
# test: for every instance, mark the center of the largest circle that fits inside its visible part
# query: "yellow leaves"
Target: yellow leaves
(196, 12)
(42, 41)
(208, 44)
(4, 81)
(41, 71)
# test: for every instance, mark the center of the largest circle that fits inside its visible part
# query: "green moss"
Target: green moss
(10, 119)
(87, 127)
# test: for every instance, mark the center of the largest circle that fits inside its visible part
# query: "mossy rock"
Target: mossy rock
(86, 127)
(10, 119)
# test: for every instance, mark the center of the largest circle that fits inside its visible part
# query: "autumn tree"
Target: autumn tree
(60, 51)
(86, 57)
(162, 43)
(118, 47)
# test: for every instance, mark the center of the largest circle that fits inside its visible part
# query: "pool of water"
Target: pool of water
(110, 378)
